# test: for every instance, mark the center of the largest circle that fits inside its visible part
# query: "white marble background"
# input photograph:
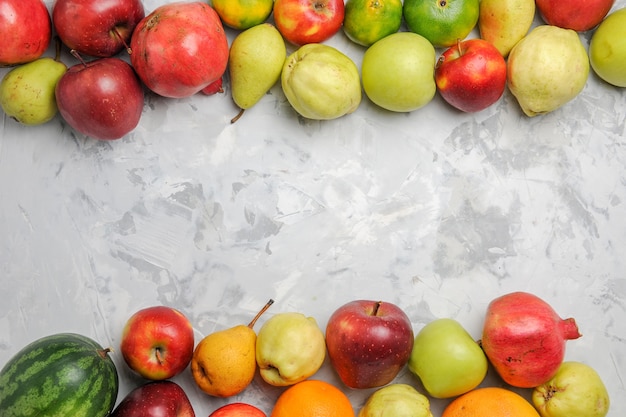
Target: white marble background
(435, 210)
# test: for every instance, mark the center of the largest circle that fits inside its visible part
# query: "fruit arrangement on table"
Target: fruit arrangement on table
(368, 343)
(412, 49)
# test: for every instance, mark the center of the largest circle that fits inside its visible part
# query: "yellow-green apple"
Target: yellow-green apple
(368, 342)
(25, 31)
(446, 359)
(156, 398)
(157, 342)
(289, 348)
(471, 75)
(578, 15)
(398, 72)
(607, 49)
(179, 49)
(396, 400)
(102, 98)
(94, 27)
(576, 390)
(238, 409)
(308, 21)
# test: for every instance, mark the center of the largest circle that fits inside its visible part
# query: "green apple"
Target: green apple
(290, 347)
(446, 359)
(607, 49)
(398, 72)
(576, 390)
(396, 400)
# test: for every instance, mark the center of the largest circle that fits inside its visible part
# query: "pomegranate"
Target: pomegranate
(179, 49)
(524, 338)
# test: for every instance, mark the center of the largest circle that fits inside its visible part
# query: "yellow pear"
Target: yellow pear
(255, 63)
(505, 22)
(224, 362)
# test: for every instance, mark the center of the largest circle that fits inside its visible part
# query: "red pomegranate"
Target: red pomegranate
(179, 49)
(524, 338)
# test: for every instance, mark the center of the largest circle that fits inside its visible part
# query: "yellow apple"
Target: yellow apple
(607, 49)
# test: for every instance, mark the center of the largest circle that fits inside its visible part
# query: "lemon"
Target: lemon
(243, 14)
(442, 22)
(367, 21)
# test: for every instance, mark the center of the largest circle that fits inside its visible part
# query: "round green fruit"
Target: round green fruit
(398, 72)
(607, 49)
(367, 21)
(442, 22)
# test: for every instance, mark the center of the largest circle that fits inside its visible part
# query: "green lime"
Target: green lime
(243, 14)
(442, 22)
(366, 21)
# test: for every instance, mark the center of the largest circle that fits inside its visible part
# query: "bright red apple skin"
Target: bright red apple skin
(308, 21)
(578, 15)
(157, 398)
(238, 410)
(102, 99)
(25, 31)
(471, 75)
(157, 342)
(95, 27)
(368, 342)
(180, 48)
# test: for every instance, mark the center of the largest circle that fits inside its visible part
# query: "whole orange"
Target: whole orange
(312, 398)
(490, 401)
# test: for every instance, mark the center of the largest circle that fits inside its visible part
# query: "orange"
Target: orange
(312, 398)
(491, 402)
(366, 21)
(442, 22)
(243, 14)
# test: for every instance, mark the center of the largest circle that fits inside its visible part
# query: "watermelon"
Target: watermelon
(62, 375)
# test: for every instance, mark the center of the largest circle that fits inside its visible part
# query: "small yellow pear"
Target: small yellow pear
(505, 22)
(255, 63)
(224, 362)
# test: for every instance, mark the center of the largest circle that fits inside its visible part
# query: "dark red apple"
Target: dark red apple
(238, 410)
(308, 21)
(25, 31)
(578, 15)
(102, 98)
(180, 48)
(157, 342)
(471, 75)
(368, 342)
(95, 27)
(155, 399)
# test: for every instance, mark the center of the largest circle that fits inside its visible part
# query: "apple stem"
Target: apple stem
(265, 307)
(57, 48)
(238, 116)
(76, 55)
(376, 307)
(119, 35)
(458, 46)
(159, 357)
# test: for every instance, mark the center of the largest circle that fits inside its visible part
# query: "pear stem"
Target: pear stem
(57, 49)
(238, 116)
(265, 307)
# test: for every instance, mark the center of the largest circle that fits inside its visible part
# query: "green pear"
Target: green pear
(547, 68)
(396, 400)
(576, 390)
(27, 91)
(290, 347)
(446, 359)
(255, 63)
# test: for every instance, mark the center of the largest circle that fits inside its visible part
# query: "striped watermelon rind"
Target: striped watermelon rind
(60, 375)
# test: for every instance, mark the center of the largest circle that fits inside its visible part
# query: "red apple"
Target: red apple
(471, 75)
(95, 27)
(578, 15)
(308, 21)
(368, 342)
(157, 398)
(238, 410)
(25, 31)
(180, 48)
(157, 342)
(102, 98)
